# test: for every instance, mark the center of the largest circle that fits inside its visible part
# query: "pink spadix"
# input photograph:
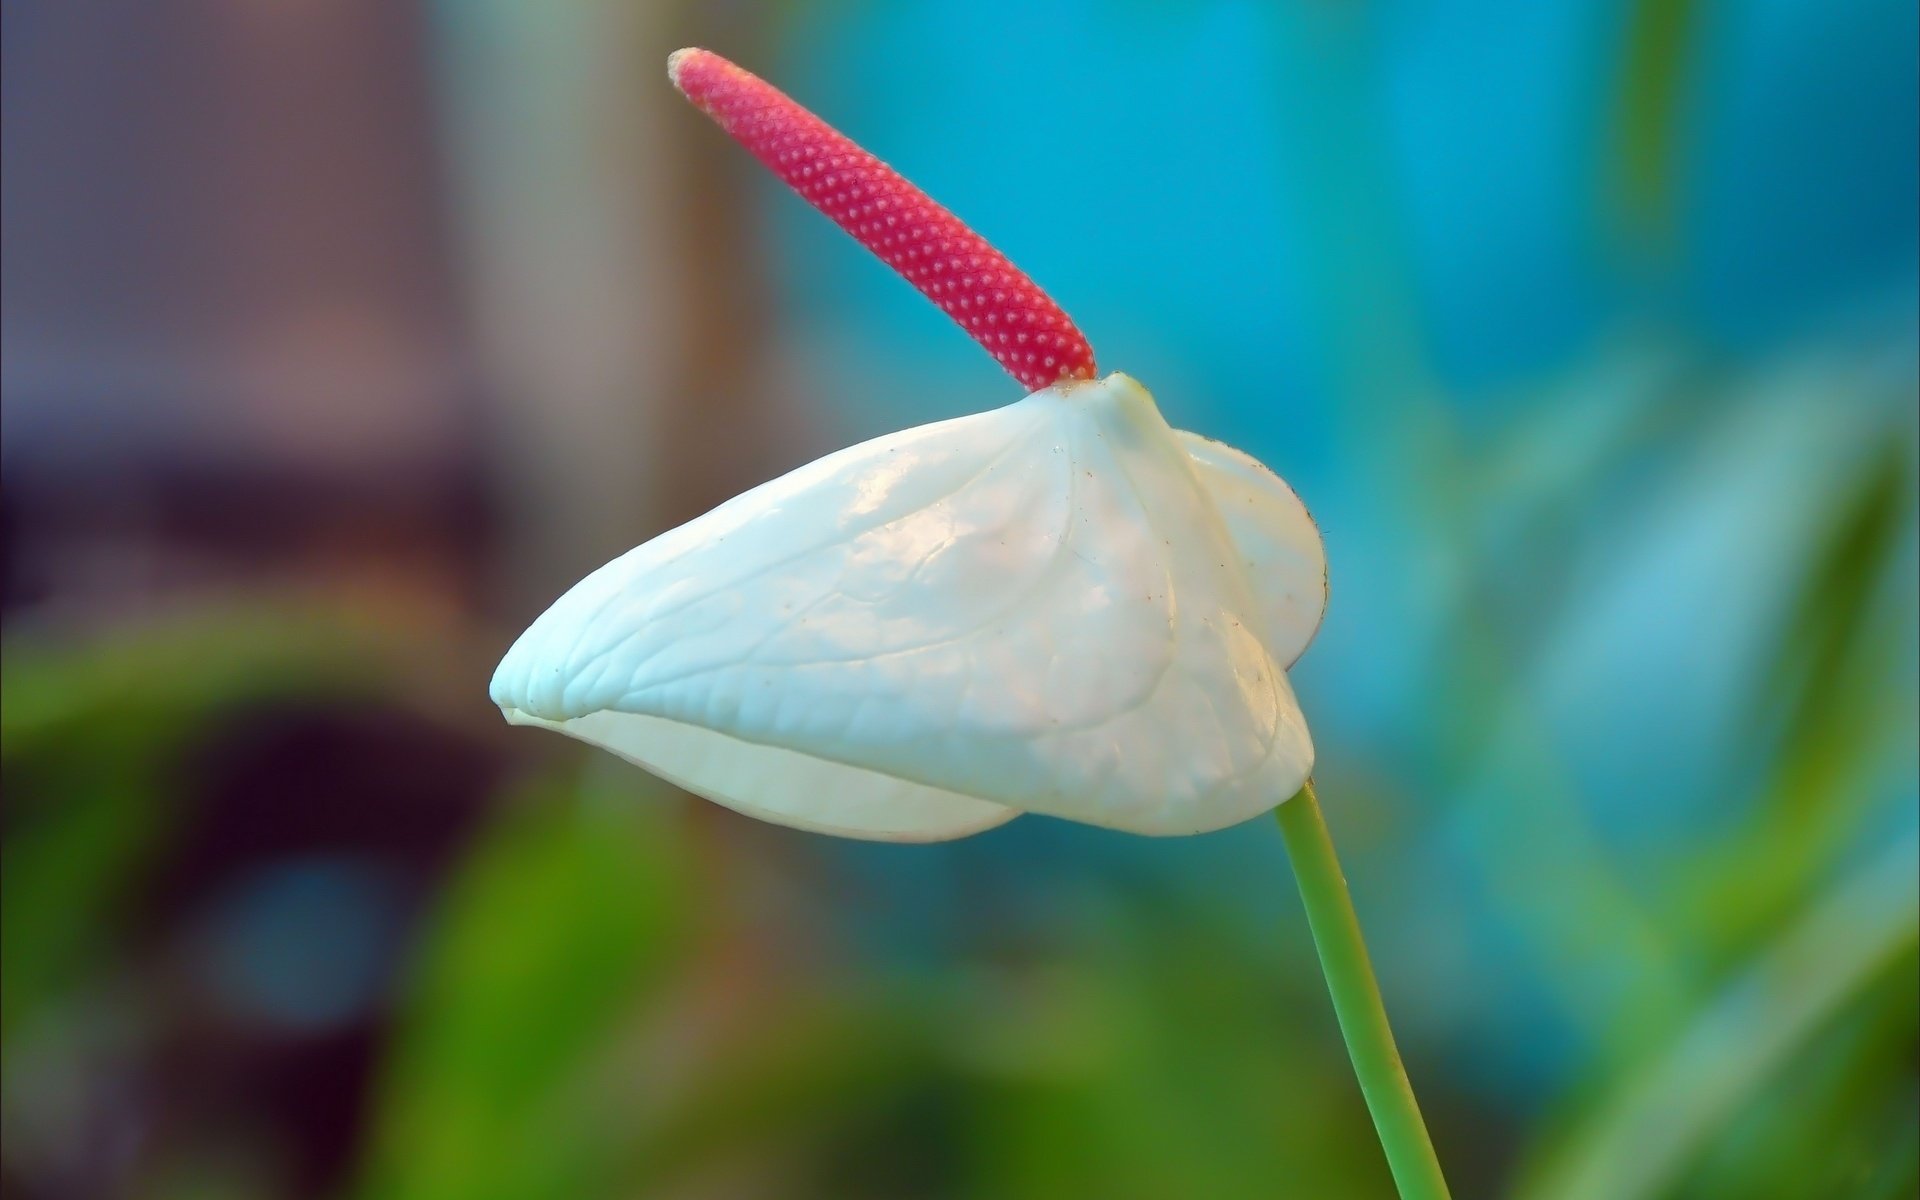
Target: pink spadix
(976, 285)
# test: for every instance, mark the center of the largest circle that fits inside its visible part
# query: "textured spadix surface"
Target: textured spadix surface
(1062, 606)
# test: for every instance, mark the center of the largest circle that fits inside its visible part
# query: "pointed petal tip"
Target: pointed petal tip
(513, 688)
(505, 696)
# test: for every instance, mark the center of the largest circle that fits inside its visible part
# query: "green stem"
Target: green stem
(1356, 1000)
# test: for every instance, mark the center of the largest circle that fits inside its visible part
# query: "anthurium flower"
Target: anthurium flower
(1061, 606)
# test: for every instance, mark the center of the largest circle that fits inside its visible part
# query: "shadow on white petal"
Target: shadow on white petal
(1280, 546)
(778, 785)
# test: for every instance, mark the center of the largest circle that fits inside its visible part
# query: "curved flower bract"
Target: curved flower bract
(1060, 607)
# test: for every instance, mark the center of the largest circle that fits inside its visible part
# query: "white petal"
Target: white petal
(782, 786)
(1036, 609)
(1279, 544)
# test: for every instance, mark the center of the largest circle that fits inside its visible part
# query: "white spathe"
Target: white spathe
(1062, 607)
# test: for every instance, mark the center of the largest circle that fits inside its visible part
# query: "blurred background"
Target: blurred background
(340, 338)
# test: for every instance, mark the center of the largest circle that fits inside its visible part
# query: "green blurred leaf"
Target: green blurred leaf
(562, 923)
(1829, 709)
(1157, 1058)
(172, 671)
(67, 866)
(1659, 49)
(1643, 1135)
(88, 728)
(830, 1083)
(1828, 1122)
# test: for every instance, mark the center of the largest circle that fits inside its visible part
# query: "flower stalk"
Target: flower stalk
(1356, 1000)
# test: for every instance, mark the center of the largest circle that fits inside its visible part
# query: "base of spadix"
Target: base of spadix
(779, 785)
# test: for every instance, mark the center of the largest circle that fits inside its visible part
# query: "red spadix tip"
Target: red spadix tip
(984, 293)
